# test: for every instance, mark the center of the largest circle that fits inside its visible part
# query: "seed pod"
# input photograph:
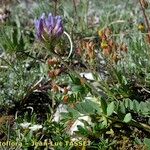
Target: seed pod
(112, 44)
(52, 62)
(57, 72)
(108, 32)
(123, 47)
(51, 74)
(65, 90)
(116, 58)
(55, 88)
(90, 50)
(66, 99)
(107, 51)
(79, 51)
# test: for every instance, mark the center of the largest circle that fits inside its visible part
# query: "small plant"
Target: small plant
(74, 76)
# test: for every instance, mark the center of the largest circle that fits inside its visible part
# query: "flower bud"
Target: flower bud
(48, 28)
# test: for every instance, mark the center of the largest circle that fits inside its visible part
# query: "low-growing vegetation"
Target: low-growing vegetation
(75, 75)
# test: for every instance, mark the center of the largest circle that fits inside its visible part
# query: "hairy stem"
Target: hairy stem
(75, 8)
(55, 7)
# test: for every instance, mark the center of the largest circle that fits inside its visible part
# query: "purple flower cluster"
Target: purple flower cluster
(48, 28)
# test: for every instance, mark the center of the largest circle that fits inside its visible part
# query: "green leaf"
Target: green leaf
(147, 143)
(124, 80)
(74, 113)
(75, 80)
(110, 109)
(127, 118)
(130, 104)
(78, 89)
(122, 108)
(148, 104)
(127, 103)
(136, 106)
(105, 121)
(104, 105)
(144, 108)
(88, 107)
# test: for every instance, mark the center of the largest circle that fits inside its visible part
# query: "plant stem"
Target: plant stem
(145, 16)
(94, 90)
(75, 8)
(71, 44)
(55, 7)
(141, 125)
(40, 60)
(134, 124)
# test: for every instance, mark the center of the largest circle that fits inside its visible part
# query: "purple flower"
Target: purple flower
(48, 28)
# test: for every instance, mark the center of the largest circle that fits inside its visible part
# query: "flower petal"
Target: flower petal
(50, 21)
(59, 32)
